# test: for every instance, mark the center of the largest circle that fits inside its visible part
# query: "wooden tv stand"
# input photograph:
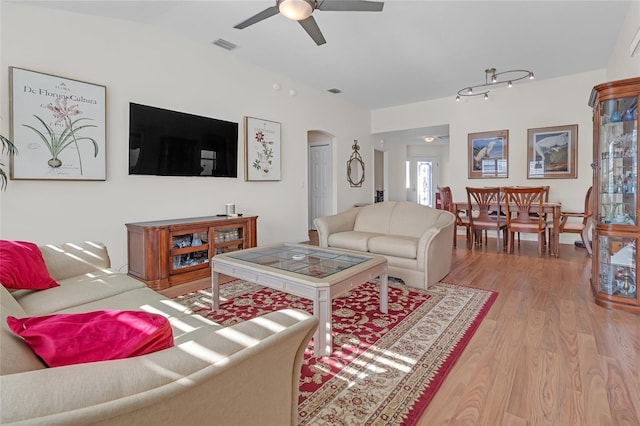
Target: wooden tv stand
(165, 253)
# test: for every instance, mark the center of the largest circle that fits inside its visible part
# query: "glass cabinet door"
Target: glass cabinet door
(189, 249)
(619, 161)
(617, 266)
(229, 238)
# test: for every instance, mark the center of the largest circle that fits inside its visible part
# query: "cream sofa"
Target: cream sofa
(245, 374)
(416, 240)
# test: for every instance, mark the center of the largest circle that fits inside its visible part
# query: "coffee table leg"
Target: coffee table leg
(322, 343)
(384, 293)
(215, 290)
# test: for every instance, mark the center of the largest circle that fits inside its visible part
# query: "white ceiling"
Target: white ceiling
(411, 51)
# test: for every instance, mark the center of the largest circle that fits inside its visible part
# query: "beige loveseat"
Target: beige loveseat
(416, 240)
(245, 374)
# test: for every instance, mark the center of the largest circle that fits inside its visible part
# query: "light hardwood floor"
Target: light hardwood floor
(545, 354)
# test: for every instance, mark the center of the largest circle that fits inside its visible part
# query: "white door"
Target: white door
(319, 181)
(422, 180)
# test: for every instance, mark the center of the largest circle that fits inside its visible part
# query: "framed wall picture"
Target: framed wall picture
(552, 152)
(489, 154)
(58, 126)
(261, 149)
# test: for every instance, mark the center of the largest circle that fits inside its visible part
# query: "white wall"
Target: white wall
(621, 64)
(526, 105)
(531, 104)
(147, 65)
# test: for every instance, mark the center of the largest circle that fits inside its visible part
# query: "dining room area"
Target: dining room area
(507, 158)
(504, 213)
(587, 169)
(551, 304)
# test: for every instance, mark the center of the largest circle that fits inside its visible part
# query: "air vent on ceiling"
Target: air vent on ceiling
(334, 91)
(224, 44)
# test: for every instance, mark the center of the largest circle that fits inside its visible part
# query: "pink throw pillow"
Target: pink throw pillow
(65, 339)
(22, 266)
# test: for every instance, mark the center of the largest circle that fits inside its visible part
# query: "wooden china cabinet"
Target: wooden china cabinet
(615, 186)
(165, 253)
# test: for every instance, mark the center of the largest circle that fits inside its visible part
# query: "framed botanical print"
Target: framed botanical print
(489, 154)
(262, 149)
(58, 126)
(552, 152)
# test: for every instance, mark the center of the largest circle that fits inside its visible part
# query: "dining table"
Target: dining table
(547, 207)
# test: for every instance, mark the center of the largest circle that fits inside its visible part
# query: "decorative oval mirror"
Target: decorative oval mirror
(355, 167)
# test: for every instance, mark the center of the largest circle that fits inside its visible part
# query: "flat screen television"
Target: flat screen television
(170, 143)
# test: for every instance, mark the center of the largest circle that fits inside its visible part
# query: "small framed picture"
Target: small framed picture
(58, 126)
(552, 152)
(489, 154)
(262, 149)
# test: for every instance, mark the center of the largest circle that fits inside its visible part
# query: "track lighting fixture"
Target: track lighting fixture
(493, 78)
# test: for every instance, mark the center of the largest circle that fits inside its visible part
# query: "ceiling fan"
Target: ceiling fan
(301, 10)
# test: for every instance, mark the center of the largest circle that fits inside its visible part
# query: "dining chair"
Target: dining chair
(498, 210)
(582, 227)
(461, 220)
(521, 202)
(483, 201)
(535, 214)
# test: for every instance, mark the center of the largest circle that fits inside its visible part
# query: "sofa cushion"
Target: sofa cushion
(70, 260)
(412, 219)
(22, 266)
(183, 325)
(77, 291)
(66, 339)
(15, 355)
(394, 245)
(351, 240)
(402, 262)
(182, 319)
(374, 217)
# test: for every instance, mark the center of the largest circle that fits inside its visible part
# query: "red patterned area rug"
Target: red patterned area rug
(385, 368)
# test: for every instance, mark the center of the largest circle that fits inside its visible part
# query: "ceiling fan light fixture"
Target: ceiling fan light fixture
(302, 11)
(297, 10)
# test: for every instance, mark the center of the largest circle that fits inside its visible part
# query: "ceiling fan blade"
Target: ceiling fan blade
(267, 13)
(351, 6)
(311, 27)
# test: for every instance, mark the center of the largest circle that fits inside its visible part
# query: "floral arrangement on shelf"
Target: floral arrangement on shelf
(265, 153)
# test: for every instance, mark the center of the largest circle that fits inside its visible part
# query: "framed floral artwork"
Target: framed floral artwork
(552, 152)
(261, 149)
(58, 126)
(489, 154)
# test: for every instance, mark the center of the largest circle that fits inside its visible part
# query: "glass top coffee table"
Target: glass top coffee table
(314, 273)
